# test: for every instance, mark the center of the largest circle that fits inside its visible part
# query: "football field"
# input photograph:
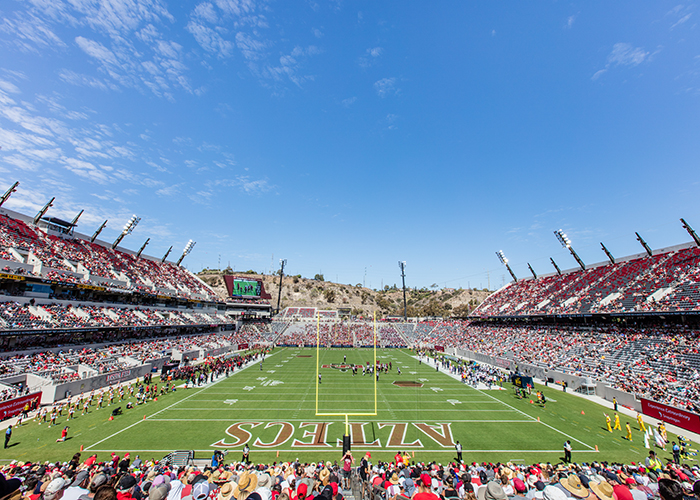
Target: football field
(281, 412)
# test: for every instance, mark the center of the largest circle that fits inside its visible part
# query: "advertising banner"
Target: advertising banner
(680, 418)
(13, 407)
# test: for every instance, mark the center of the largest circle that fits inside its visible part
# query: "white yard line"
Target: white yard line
(340, 421)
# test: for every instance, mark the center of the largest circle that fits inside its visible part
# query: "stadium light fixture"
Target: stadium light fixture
(43, 211)
(555, 266)
(502, 257)
(128, 228)
(97, 233)
(74, 222)
(283, 262)
(685, 225)
(644, 244)
(166, 254)
(142, 247)
(188, 248)
(566, 243)
(607, 252)
(9, 192)
(402, 266)
(534, 274)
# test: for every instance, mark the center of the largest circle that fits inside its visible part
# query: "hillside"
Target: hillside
(304, 292)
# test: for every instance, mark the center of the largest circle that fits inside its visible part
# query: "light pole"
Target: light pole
(566, 243)
(128, 227)
(502, 257)
(188, 248)
(283, 262)
(402, 266)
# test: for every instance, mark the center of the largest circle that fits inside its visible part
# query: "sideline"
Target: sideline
(456, 377)
(207, 386)
(607, 405)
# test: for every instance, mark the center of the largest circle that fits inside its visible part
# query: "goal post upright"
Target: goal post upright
(347, 415)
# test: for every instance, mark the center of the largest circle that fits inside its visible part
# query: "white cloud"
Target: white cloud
(86, 170)
(210, 39)
(30, 34)
(169, 190)
(250, 48)
(598, 74)
(570, 21)
(682, 20)
(206, 12)
(8, 87)
(96, 50)
(623, 54)
(385, 87)
(349, 101)
(626, 55)
(80, 80)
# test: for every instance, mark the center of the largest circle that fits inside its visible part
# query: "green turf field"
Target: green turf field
(274, 411)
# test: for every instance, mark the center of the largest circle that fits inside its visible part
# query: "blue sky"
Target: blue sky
(345, 136)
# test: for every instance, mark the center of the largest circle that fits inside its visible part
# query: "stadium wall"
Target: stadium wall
(52, 393)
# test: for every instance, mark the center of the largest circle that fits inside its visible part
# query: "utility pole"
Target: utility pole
(402, 266)
(283, 262)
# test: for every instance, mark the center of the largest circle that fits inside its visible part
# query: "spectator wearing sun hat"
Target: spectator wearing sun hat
(492, 491)
(394, 488)
(264, 486)
(247, 484)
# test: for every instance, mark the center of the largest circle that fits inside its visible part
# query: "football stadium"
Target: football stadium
(202, 208)
(112, 352)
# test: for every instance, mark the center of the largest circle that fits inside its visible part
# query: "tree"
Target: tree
(329, 295)
(318, 277)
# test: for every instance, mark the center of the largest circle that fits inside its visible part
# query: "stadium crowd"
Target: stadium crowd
(666, 281)
(340, 333)
(662, 364)
(60, 365)
(62, 258)
(115, 477)
(18, 316)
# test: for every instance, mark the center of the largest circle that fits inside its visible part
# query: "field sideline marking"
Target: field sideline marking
(336, 409)
(296, 450)
(168, 407)
(519, 411)
(325, 421)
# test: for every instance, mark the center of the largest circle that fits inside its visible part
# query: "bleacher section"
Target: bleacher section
(665, 282)
(75, 260)
(341, 333)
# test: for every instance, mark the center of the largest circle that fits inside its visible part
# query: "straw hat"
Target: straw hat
(573, 485)
(323, 476)
(394, 478)
(247, 483)
(603, 490)
(225, 492)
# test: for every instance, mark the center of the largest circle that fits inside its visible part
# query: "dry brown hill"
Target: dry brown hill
(305, 292)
